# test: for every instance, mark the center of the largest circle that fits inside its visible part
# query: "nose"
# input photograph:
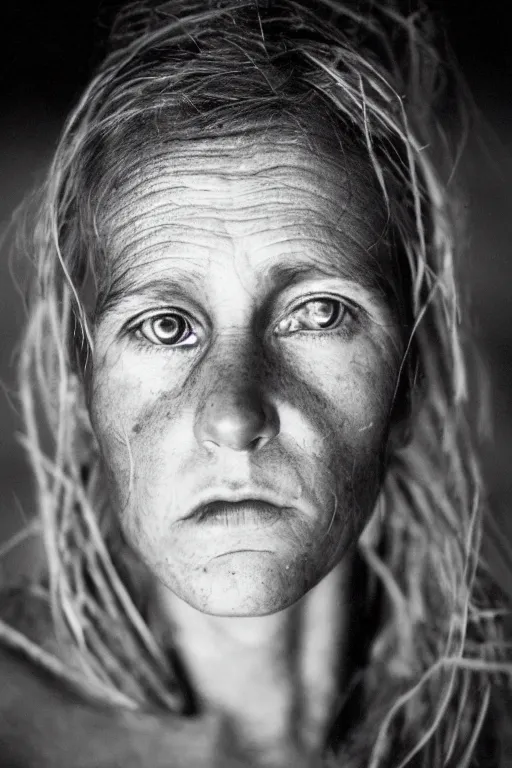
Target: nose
(240, 419)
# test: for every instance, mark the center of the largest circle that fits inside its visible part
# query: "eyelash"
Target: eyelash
(346, 313)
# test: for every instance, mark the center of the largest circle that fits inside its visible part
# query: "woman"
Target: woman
(262, 508)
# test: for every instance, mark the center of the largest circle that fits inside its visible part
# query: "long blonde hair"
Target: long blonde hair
(210, 69)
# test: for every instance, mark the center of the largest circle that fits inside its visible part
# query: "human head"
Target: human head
(262, 391)
(329, 407)
(185, 74)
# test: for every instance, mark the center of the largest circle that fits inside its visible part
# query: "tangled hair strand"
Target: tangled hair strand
(184, 70)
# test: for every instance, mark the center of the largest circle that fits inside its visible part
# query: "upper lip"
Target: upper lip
(234, 497)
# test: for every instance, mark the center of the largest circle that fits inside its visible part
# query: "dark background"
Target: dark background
(46, 54)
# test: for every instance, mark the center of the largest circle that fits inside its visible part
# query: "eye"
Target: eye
(315, 315)
(170, 329)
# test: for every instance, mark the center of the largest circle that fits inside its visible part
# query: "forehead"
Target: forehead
(266, 202)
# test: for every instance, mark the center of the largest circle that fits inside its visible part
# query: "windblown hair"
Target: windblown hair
(184, 70)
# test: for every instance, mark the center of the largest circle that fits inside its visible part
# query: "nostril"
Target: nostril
(258, 442)
(239, 420)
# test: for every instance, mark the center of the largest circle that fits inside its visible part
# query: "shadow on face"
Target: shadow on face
(244, 367)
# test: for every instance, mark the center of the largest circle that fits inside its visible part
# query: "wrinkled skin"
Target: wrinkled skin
(253, 393)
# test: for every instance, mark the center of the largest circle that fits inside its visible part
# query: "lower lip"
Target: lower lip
(241, 514)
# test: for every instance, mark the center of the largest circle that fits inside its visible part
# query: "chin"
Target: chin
(247, 583)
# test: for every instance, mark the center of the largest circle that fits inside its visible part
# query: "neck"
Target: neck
(261, 670)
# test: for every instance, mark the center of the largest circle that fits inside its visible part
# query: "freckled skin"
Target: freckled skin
(304, 415)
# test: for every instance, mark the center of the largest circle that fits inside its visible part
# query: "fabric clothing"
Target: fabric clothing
(27, 609)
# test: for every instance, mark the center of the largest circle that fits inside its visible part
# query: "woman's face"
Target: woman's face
(245, 353)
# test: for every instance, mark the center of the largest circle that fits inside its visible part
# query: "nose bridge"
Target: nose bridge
(236, 409)
(237, 359)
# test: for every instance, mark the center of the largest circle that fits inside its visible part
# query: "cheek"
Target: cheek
(135, 407)
(114, 404)
(336, 408)
(367, 392)
(344, 397)
(122, 386)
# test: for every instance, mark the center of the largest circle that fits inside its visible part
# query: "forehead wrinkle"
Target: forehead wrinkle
(232, 200)
(315, 220)
(161, 251)
(157, 175)
(327, 255)
(302, 213)
(181, 162)
(143, 234)
(343, 246)
(172, 176)
(339, 245)
(135, 267)
(128, 213)
(119, 211)
(167, 180)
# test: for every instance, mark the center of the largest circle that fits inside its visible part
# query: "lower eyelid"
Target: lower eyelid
(142, 343)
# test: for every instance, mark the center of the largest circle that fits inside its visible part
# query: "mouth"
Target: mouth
(246, 512)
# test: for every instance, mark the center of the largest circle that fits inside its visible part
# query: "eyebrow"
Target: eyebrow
(157, 288)
(279, 276)
(284, 275)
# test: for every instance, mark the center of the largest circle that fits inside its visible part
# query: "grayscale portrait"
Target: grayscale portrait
(252, 406)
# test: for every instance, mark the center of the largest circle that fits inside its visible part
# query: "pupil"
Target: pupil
(169, 327)
(325, 311)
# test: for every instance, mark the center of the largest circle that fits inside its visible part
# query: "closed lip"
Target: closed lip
(238, 504)
(249, 513)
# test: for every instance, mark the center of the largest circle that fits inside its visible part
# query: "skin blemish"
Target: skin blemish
(299, 414)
